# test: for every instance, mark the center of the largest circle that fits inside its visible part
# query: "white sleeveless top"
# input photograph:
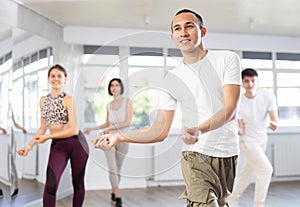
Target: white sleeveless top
(117, 116)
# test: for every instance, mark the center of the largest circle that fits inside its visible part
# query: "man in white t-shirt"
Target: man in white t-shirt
(207, 86)
(256, 106)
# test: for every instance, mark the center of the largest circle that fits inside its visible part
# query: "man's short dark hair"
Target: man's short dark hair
(249, 72)
(201, 24)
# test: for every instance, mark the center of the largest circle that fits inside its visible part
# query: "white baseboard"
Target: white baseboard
(152, 183)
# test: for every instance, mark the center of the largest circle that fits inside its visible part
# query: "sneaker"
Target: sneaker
(113, 198)
(1, 193)
(118, 202)
(15, 193)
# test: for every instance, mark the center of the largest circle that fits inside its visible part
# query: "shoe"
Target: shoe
(118, 202)
(1, 193)
(15, 193)
(113, 198)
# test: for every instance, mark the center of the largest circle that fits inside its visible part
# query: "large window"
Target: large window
(141, 69)
(262, 61)
(147, 68)
(145, 73)
(280, 73)
(5, 86)
(29, 84)
(101, 64)
(4, 97)
(288, 88)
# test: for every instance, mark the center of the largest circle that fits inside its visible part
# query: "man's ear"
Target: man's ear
(203, 31)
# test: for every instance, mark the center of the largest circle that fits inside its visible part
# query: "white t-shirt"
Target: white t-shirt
(198, 88)
(254, 113)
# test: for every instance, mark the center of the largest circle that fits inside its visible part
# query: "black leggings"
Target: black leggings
(76, 149)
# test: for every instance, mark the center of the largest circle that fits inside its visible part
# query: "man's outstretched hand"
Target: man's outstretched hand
(106, 141)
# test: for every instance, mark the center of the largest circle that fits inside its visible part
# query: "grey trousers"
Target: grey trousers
(115, 158)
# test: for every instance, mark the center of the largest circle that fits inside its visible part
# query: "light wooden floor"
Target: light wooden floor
(281, 194)
(29, 190)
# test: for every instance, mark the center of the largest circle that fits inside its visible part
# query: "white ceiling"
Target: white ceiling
(264, 17)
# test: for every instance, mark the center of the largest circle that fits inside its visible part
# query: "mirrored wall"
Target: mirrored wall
(24, 61)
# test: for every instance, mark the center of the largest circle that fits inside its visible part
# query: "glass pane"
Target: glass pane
(144, 93)
(17, 73)
(41, 63)
(51, 60)
(95, 76)
(174, 61)
(96, 81)
(288, 96)
(287, 64)
(43, 89)
(3, 99)
(256, 64)
(31, 101)
(288, 79)
(144, 107)
(43, 85)
(289, 116)
(35, 66)
(6, 66)
(146, 60)
(100, 59)
(289, 106)
(145, 77)
(265, 79)
(17, 103)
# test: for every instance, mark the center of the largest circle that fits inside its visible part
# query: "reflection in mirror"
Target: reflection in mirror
(23, 76)
(6, 45)
(32, 56)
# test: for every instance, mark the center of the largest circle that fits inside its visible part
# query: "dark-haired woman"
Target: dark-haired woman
(118, 119)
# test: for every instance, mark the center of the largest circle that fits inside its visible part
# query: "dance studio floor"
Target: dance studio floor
(29, 191)
(281, 194)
